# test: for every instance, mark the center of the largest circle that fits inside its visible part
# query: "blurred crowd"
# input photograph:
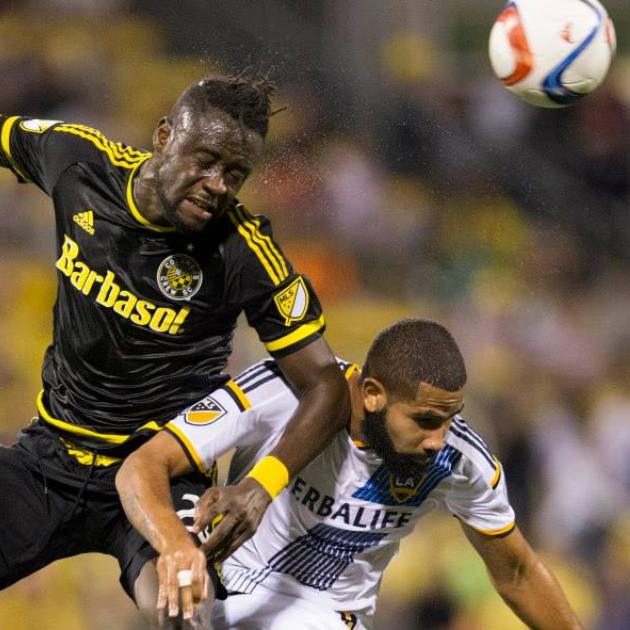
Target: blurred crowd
(443, 197)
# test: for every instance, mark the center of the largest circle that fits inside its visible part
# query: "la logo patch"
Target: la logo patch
(293, 301)
(405, 488)
(205, 412)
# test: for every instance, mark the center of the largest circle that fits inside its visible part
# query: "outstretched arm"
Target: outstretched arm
(323, 410)
(144, 489)
(523, 581)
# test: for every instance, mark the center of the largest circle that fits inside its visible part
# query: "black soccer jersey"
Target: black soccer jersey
(144, 316)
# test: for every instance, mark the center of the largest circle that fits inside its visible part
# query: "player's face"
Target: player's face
(203, 162)
(409, 434)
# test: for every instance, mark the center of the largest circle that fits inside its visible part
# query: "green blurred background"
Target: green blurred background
(405, 181)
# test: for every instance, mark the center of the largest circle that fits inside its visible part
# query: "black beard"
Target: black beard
(375, 433)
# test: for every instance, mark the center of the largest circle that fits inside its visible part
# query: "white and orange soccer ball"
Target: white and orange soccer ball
(551, 53)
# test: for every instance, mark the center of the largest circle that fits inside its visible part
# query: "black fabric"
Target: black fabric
(125, 351)
(52, 507)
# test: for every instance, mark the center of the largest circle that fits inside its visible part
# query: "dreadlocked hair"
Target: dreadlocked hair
(414, 351)
(246, 97)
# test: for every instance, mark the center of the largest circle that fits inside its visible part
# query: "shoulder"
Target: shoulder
(262, 383)
(477, 462)
(93, 143)
(251, 240)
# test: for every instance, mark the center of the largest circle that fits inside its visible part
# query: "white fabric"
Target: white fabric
(265, 610)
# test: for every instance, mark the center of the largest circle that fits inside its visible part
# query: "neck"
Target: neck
(356, 402)
(145, 193)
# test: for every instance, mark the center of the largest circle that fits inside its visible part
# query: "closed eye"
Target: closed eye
(237, 175)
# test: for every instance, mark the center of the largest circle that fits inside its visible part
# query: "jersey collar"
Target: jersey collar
(133, 208)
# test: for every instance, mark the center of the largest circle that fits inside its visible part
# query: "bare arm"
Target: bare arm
(144, 490)
(143, 484)
(324, 407)
(523, 581)
(323, 410)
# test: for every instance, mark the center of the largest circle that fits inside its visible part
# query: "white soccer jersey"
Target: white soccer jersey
(330, 535)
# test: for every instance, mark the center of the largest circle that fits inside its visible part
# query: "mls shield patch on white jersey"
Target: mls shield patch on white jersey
(205, 412)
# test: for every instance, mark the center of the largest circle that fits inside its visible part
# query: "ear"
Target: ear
(162, 134)
(374, 395)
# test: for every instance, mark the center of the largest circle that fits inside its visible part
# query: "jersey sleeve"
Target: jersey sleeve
(478, 495)
(230, 418)
(39, 151)
(278, 302)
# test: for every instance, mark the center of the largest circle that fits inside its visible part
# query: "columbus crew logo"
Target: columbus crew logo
(179, 277)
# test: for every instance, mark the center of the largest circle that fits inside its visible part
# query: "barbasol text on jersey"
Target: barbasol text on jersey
(110, 295)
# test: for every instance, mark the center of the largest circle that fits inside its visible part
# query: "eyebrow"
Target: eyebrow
(429, 415)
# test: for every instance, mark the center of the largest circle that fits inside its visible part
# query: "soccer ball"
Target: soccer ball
(550, 53)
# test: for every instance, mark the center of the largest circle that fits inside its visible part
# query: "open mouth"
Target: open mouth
(201, 210)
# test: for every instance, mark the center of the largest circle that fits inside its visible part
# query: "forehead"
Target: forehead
(216, 130)
(429, 397)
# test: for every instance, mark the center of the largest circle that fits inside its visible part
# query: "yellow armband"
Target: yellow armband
(271, 474)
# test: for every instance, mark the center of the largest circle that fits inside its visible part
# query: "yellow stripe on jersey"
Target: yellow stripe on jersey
(351, 371)
(77, 430)
(188, 445)
(87, 458)
(240, 394)
(133, 208)
(260, 244)
(5, 142)
(116, 152)
(497, 473)
(495, 532)
(253, 224)
(304, 331)
(254, 247)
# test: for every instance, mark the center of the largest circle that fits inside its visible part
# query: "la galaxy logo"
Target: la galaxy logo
(205, 412)
(292, 302)
(405, 488)
(179, 277)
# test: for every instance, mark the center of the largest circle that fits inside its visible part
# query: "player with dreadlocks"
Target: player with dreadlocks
(155, 258)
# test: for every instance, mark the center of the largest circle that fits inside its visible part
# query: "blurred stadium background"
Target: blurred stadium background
(403, 180)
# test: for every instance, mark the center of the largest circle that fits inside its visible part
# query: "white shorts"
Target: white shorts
(275, 611)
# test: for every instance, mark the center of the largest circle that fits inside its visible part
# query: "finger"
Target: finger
(187, 602)
(172, 589)
(233, 543)
(162, 584)
(219, 534)
(206, 513)
(199, 576)
(239, 532)
(210, 496)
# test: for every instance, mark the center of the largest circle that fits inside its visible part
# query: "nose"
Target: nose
(214, 182)
(433, 442)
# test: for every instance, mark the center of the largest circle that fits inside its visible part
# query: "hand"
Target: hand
(185, 557)
(238, 511)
